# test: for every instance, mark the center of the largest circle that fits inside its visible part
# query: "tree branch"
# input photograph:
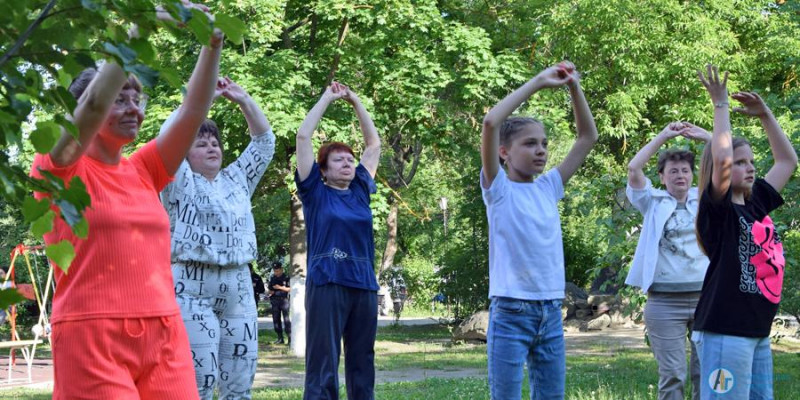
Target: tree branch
(40, 53)
(415, 163)
(25, 35)
(338, 56)
(312, 35)
(297, 25)
(287, 40)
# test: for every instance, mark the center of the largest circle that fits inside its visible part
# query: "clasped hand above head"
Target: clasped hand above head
(338, 91)
(685, 129)
(230, 90)
(563, 73)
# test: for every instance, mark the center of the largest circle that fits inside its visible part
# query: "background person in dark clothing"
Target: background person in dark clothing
(279, 299)
(258, 285)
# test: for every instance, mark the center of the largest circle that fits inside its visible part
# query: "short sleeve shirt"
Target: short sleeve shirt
(341, 243)
(743, 283)
(526, 253)
(122, 269)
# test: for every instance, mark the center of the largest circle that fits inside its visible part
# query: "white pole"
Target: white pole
(297, 308)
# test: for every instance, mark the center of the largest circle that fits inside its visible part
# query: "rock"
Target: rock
(575, 298)
(567, 312)
(599, 323)
(573, 325)
(598, 299)
(473, 328)
(601, 304)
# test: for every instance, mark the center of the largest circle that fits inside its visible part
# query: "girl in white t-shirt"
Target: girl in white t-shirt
(526, 257)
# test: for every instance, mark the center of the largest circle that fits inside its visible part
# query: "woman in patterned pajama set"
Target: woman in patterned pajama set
(213, 241)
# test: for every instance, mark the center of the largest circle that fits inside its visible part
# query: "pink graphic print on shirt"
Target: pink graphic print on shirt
(769, 261)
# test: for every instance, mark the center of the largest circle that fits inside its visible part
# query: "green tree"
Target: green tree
(43, 46)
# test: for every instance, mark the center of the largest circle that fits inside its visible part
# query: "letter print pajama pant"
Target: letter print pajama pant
(219, 311)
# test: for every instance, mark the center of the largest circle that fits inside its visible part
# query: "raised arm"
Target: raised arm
(257, 122)
(179, 136)
(552, 77)
(782, 151)
(721, 140)
(304, 149)
(584, 124)
(636, 178)
(372, 142)
(93, 107)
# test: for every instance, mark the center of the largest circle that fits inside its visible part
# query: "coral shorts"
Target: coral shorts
(135, 358)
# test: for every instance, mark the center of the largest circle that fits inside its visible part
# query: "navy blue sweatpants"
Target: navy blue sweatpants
(335, 312)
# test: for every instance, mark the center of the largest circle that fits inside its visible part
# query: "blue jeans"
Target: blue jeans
(520, 331)
(733, 367)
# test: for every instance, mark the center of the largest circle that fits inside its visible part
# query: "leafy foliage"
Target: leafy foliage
(42, 48)
(427, 71)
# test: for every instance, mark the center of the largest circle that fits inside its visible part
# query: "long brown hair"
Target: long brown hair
(704, 180)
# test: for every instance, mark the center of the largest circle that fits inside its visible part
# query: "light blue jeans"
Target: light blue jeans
(734, 367)
(526, 331)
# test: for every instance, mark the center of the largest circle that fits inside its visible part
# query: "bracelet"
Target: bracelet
(721, 104)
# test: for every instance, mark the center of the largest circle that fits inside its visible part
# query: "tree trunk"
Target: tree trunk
(402, 154)
(298, 251)
(391, 239)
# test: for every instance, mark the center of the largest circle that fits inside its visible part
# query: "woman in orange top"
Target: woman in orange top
(117, 330)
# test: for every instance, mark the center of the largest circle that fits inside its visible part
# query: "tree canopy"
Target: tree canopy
(427, 72)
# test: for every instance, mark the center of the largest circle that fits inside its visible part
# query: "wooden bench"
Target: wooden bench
(28, 348)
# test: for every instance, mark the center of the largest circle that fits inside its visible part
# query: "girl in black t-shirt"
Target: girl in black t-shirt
(742, 287)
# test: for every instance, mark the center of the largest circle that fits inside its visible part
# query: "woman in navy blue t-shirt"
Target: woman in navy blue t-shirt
(342, 292)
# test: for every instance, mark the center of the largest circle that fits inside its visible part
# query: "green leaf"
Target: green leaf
(178, 11)
(64, 78)
(200, 26)
(9, 297)
(147, 75)
(76, 194)
(63, 97)
(61, 253)
(84, 60)
(90, 5)
(68, 212)
(6, 117)
(45, 136)
(33, 209)
(144, 50)
(68, 126)
(126, 54)
(71, 201)
(233, 27)
(43, 224)
(81, 229)
(57, 182)
(72, 67)
(171, 76)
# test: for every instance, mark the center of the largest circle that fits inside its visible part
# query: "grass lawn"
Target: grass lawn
(619, 374)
